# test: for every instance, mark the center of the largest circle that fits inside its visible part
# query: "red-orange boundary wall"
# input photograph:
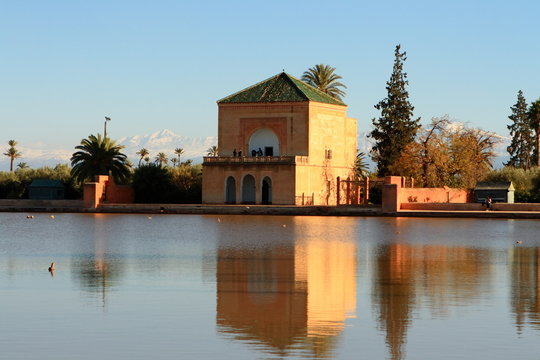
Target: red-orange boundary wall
(106, 191)
(396, 197)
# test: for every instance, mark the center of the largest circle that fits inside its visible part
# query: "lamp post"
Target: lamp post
(105, 132)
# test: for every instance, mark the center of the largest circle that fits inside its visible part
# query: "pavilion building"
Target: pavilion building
(280, 141)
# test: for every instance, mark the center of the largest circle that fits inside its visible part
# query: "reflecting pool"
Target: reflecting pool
(267, 287)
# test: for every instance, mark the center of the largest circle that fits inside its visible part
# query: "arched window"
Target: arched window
(264, 142)
(230, 190)
(248, 190)
(266, 190)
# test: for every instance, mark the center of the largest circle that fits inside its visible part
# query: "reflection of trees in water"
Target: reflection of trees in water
(442, 275)
(525, 295)
(97, 275)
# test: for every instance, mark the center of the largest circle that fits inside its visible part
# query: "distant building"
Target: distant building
(43, 189)
(280, 141)
(499, 192)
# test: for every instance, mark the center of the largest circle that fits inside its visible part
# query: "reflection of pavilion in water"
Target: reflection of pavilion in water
(441, 276)
(526, 287)
(287, 296)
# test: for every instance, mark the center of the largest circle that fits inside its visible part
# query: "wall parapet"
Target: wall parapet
(253, 160)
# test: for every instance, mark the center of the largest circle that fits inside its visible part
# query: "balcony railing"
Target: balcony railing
(254, 160)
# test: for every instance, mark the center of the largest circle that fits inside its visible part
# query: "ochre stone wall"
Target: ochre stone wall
(237, 122)
(320, 135)
(215, 177)
(331, 129)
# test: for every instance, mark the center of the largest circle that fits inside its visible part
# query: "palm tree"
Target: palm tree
(179, 152)
(142, 153)
(161, 159)
(361, 168)
(323, 78)
(99, 156)
(23, 165)
(12, 153)
(212, 151)
(174, 162)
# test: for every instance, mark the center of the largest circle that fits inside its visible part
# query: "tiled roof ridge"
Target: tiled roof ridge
(302, 91)
(248, 88)
(321, 93)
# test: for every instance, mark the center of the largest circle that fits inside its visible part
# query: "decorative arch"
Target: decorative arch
(230, 190)
(266, 190)
(248, 189)
(264, 140)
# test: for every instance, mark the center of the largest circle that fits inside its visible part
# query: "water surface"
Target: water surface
(262, 287)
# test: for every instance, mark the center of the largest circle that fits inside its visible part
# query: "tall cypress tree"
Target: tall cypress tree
(534, 120)
(395, 128)
(522, 144)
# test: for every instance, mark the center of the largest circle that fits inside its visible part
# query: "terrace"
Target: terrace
(254, 160)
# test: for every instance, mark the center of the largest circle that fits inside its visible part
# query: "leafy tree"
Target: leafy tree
(156, 184)
(395, 128)
(12, 153)
(152, 184)
(99, 156)
(447, 154)
(14, 185)
(161, 159)
(323, 78)
(187, 181)
(526, 182)
(534, 119)
(522, 144)
(472, 156)
(361, 168)
(142, 153)
(212, 151)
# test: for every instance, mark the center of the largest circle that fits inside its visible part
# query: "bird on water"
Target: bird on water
(51, 268)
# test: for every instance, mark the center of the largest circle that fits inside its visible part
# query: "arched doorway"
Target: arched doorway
(264, 142)
(267, 190)
(230, 191)
(248, 190)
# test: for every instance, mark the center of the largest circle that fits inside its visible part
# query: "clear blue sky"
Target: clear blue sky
(151, 65)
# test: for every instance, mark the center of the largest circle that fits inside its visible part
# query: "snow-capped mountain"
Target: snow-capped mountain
(166, 141)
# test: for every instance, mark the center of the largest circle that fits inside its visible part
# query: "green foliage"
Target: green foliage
(13, 185)
(361, 168)
(212, 151)
(522, 145)
(153, 183)
(12, 153)
(187, 180)
(447, 155)
(99, 156)
(526, 182)
(322, 77)
(395, 128)
(142, 153)
(534, 119)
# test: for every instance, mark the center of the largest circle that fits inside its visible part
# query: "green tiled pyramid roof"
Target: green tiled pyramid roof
(280, 88)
